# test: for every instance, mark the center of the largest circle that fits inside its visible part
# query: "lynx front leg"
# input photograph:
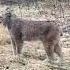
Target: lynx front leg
(14, 45)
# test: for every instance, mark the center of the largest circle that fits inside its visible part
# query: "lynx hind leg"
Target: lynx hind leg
(58, 51)
(49, 48)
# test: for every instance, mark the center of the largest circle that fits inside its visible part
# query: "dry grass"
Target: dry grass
(4, 35)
